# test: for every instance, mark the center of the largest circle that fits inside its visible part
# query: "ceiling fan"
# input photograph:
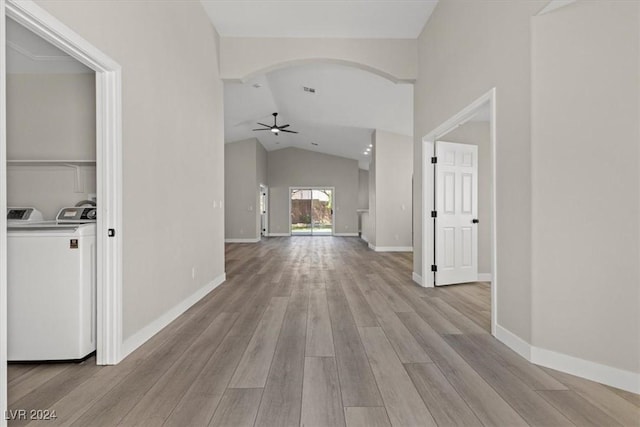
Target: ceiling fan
(275, 128)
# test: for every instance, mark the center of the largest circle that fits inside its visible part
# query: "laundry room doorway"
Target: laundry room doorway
(105, 166)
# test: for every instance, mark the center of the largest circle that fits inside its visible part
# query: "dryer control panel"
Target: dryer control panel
(77, 215)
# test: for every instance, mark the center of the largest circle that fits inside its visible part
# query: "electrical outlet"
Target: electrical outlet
(193, 273)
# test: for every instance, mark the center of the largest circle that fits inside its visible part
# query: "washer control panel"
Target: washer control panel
(23, 215)
(77, 215)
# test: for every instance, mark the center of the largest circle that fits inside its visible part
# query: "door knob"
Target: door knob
(475, 221)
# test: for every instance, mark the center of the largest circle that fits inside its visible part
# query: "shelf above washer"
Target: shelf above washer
(51, 162)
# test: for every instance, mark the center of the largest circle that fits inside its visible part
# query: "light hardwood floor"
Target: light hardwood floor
(321, 331)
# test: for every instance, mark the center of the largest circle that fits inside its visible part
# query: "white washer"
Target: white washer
(51, 291)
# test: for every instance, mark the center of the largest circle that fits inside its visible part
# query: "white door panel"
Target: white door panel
(456, 193)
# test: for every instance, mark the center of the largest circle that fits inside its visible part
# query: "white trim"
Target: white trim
(391, 248)
(614, 377)
(254, 240)
(144, 334)
(514, 342)
(416, 278)
(484, 277)
(345, 234)
(3, 220)
(428, 142)
(279, 234)
(365, 238)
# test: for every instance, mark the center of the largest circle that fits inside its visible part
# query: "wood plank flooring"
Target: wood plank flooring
(321, 331)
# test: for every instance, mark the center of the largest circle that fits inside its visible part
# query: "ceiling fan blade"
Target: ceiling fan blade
(285, 126)
(289, 131)
(262, 129)
(262, 124)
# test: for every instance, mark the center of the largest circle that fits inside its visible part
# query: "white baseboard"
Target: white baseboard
(614, 377)
(608, 375)
(252, 240)
(391, 248)
(345, 234)
(416, 278)
(144, 334)
(279, 234)
(514, 342)
(485, 277)
(365, 238)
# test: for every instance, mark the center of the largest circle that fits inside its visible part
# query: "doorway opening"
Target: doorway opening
(264, 210)
(108, 186)
(459, 200)
(311, 211)
(51, 235)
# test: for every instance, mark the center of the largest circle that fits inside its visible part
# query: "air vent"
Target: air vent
(309, 89)
(314, 144)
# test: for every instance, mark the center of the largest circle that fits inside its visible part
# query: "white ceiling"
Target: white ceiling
(30, 54)
(393, 19)
(348, 105)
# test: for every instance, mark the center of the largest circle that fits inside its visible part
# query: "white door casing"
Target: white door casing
(456, 196)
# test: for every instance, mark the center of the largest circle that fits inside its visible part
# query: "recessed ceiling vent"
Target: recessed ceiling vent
(309, 89)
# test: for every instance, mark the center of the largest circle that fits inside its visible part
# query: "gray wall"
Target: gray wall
(172, 130)
(363, 189)
(293, 167)
(242, 189)
(50, 117)
(478, 133)
(393, 169)
(586, 182)
(492, 45)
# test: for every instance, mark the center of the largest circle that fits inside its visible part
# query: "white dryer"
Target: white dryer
(51, 294)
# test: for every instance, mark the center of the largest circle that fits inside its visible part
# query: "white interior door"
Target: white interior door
(263, 211)
(456, 223)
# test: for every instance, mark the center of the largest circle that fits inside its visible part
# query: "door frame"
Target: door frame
(263, 188)
(428, 232)
(108, 177)
(310, 187)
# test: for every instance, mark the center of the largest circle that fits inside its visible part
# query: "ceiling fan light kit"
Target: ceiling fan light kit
(275, 128)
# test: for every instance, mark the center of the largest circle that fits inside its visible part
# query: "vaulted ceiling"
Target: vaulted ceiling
(376, 19)
(348, 104)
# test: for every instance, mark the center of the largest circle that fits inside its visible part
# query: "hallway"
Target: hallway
(321, 332)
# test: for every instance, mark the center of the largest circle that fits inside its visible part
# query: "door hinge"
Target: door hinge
(434, 268)
(111, 232)
(434, 214)
(434, 160)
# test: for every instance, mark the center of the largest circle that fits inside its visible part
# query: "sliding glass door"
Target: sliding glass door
(311, 211)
